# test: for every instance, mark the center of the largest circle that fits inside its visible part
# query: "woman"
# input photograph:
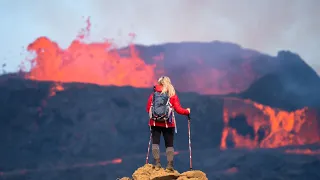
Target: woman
(166, 128)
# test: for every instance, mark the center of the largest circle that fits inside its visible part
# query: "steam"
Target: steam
(267, 26)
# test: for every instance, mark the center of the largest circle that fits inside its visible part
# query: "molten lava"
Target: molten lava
(89, 63)
(271, 127)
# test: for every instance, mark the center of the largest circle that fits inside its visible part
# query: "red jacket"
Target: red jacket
(174, 101)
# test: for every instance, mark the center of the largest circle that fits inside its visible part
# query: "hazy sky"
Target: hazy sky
(264, 25)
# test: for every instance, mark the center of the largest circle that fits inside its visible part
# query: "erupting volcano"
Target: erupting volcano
(101, 63)
(211, 73)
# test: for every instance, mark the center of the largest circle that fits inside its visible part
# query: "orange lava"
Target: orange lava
(89, 63)
(232, 170)
(281, 128)
(117, 161)
(55, 88)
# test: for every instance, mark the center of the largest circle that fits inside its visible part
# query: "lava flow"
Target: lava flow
(88, 63)
(269, 127)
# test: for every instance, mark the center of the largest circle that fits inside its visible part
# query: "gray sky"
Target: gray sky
(264, 25)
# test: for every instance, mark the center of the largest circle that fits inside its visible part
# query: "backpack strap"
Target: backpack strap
(168, 102)
(150, 110)
(154, 90)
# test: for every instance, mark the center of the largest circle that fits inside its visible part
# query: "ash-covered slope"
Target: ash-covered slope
(291, 85)
(92, 132)
(221, 68)
(210, 67)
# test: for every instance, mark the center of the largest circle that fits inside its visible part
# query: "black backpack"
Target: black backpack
(161, 110)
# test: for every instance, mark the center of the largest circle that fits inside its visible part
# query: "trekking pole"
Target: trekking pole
(189, 132)
(147, 158)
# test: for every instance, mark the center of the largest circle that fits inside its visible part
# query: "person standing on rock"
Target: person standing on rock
(161, 106)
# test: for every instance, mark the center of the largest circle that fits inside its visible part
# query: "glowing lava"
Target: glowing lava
(271, 127)
(88, 63)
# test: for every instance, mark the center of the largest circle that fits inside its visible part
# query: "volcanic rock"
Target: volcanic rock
(147, 172)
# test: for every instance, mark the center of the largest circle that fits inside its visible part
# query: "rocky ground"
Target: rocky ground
(147, 172)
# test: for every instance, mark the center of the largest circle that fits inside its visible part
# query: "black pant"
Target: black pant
(168, 134)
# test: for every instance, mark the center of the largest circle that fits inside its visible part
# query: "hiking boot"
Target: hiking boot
(169, 167)
(156, 156)
(157, 165)
(170, 156)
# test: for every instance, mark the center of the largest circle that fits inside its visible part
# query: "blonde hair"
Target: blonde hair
(167, 87)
